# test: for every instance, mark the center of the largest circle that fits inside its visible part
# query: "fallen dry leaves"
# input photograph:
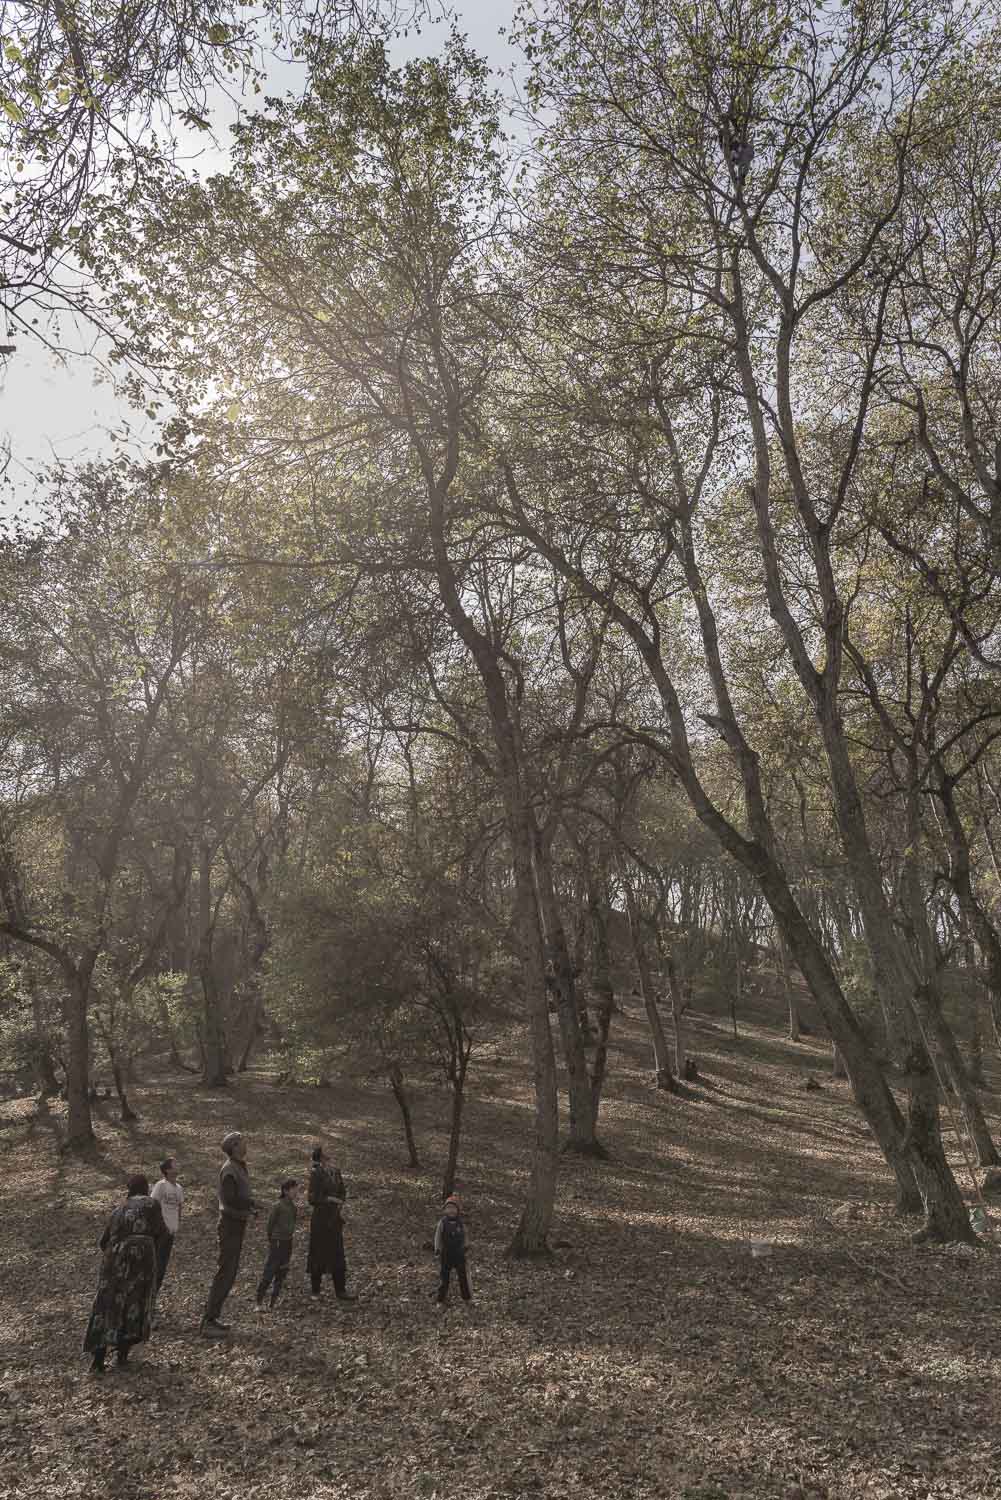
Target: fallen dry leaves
(652, 1357)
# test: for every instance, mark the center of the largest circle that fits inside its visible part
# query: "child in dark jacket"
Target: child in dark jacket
(450, 1247)
(281, 1228)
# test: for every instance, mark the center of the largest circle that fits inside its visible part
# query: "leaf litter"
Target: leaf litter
(654, 1355)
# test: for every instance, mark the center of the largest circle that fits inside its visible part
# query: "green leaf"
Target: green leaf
(13, 111)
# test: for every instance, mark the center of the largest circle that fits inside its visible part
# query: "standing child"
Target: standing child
(281, 1228)
(169, 1193)
(450, 1247)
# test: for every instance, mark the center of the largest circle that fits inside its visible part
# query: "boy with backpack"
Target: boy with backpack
(450, 1247)
(281, 1228)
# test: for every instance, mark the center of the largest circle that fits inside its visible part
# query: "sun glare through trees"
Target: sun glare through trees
(500, 799)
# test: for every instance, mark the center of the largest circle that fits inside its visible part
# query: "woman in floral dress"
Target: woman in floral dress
(123, 1308)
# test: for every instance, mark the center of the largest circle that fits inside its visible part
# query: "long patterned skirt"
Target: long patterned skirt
(123, 1308)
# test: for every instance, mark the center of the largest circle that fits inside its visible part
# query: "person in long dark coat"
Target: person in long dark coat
(122, 1314)
(325, 1257)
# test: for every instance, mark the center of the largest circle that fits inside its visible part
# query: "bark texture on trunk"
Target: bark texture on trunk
(737, 992)
(253, 1030)
(944, 1037)
(677, 1015)
(794, 1021)
(868, 1081)
(454, 1132)
(973, 909)
(994, 1002)
(663, 1077)
(117, 1073)
(79, 1123)
(41, 1055)
(756, 850)
(946, 1215)
(597, 903)
(561, 972)
(400, 1094)
(214, 1051)
(531, 1235)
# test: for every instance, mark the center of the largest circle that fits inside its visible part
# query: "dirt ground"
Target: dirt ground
(653, 1356)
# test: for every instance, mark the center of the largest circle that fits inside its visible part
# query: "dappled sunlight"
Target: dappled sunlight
(652, 1340)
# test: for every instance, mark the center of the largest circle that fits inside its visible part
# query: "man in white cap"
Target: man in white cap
(236, 1205)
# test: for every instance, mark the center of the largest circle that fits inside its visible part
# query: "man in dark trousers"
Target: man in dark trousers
(235, 1208)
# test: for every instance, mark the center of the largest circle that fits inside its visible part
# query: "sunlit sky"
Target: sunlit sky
(62, 409)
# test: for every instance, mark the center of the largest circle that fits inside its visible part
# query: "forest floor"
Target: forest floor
(653, 1356)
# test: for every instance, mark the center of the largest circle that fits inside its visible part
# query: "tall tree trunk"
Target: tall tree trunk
(973, 909)
(259, 948)
(868, 1082)
(737, 992)
(176, 1060)
(117, 1073)
(79, 1123)
(946, 1217)
(397, 1084)
(790, 994)
(458, 1085)
(757, 853)
(943, 1204)
(214, 1071)
(975, 1066)
(597, 905)
(560, 967)
(677, 1014)
(41, 1050)
(942, 1033)
(994, 1006)
(663, 1077)
(213, 1039)
(531, 1235)
(253, 1032)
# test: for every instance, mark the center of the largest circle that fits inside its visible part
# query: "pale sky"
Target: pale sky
(51, 409)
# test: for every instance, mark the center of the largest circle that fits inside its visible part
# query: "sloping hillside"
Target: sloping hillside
(654, 1356)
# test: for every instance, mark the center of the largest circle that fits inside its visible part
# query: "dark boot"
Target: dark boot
(97, 1365)
(122, 1355)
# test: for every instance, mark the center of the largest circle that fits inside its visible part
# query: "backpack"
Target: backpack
(453, 1238)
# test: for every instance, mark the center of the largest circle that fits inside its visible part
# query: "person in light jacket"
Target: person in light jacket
(169, 1193)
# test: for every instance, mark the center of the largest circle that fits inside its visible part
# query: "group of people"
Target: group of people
(139, 1237)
